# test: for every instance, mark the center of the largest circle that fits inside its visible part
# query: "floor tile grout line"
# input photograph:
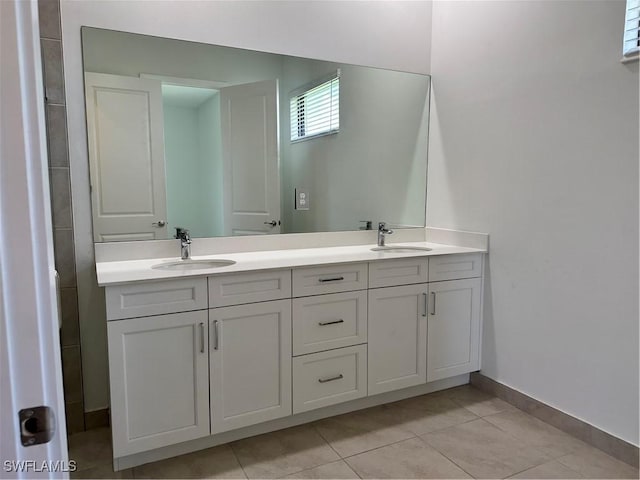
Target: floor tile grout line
(352, 468)
(235, 455)
(552, 460)
(579, 473)
(437, 430)
(341, 459)
(315, 428)
(445, 456)
(308, 468)
(503, 431)
(379, 447)
(311, 468)
(297, 471)
(531, 445)
(459, 403)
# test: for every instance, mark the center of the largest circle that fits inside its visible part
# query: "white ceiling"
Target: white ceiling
(189, 97)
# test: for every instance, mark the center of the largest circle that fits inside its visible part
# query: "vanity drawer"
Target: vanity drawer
(455, 266)
(329, 321)
(327, 378)
(251, 287)
(329, 279)
(402, 271)
(156, 298)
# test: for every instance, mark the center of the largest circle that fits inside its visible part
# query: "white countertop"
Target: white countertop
(113, 273)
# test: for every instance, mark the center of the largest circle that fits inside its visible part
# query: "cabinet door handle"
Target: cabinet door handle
(332, 279)
(330, 379)
(201, 337)
(433, 303)
(424, 304)
(333, 322)
(215, 335)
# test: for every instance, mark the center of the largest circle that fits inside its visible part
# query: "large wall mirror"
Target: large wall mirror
(224, 141)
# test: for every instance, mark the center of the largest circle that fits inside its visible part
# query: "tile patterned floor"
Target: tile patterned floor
(456, 433)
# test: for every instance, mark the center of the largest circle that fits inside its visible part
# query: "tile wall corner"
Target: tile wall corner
(62, 213)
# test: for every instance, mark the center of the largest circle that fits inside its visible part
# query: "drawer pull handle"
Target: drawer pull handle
(433, 303)
(201, 337)
(424, 297)
(332, 279)
(333, 322)
(330, 379)
(215, 335)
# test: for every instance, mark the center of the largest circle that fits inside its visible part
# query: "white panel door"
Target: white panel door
(159, 374)
(249, 116)
(126, 157)
(30, 364)
(453, 328)
(397, 334)
(250, 364)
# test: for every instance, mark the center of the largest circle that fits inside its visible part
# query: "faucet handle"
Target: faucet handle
(382, 227)
(182, 233)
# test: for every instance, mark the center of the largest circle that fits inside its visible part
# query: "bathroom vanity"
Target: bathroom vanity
(267, 332)
(204, 355)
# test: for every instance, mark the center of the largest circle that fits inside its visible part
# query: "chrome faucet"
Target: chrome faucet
(182, 234)
(382, 231)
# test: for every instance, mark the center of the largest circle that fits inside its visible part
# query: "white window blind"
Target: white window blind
(631, 41)
(315, 108)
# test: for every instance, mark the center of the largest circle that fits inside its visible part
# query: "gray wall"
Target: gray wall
(534, 139)
(374, 168)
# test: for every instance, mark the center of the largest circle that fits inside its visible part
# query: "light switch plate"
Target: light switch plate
(302, 199)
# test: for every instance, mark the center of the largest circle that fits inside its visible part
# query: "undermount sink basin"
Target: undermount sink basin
(400, 249)
(193, 264)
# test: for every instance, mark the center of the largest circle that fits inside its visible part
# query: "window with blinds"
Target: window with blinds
(631, 41)
(315, 108)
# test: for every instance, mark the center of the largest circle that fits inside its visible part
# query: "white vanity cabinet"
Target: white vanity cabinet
(250, 364)
(202, 357)
(397, 324)
(453, 345)
(454, 319)
(159, 381)
(427, 326)
(329, 335)
(158, 363)
(397, 338)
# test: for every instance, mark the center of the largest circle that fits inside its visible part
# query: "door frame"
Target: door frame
(186, 81)
(30, 361)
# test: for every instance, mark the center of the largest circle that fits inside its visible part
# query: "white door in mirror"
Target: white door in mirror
(249, 117)
(126, 154)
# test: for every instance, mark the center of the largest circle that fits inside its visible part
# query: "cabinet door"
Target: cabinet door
(454, 328)
(250, 364)
(397, 338)
(159, 381)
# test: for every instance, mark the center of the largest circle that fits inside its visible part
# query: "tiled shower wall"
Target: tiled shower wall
(59, 179)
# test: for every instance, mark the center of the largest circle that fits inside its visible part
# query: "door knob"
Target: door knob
(273, 223)
(159, 223)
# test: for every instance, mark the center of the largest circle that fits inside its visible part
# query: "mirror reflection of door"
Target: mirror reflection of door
(249, 114)
(168, 152)
(126, 157)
